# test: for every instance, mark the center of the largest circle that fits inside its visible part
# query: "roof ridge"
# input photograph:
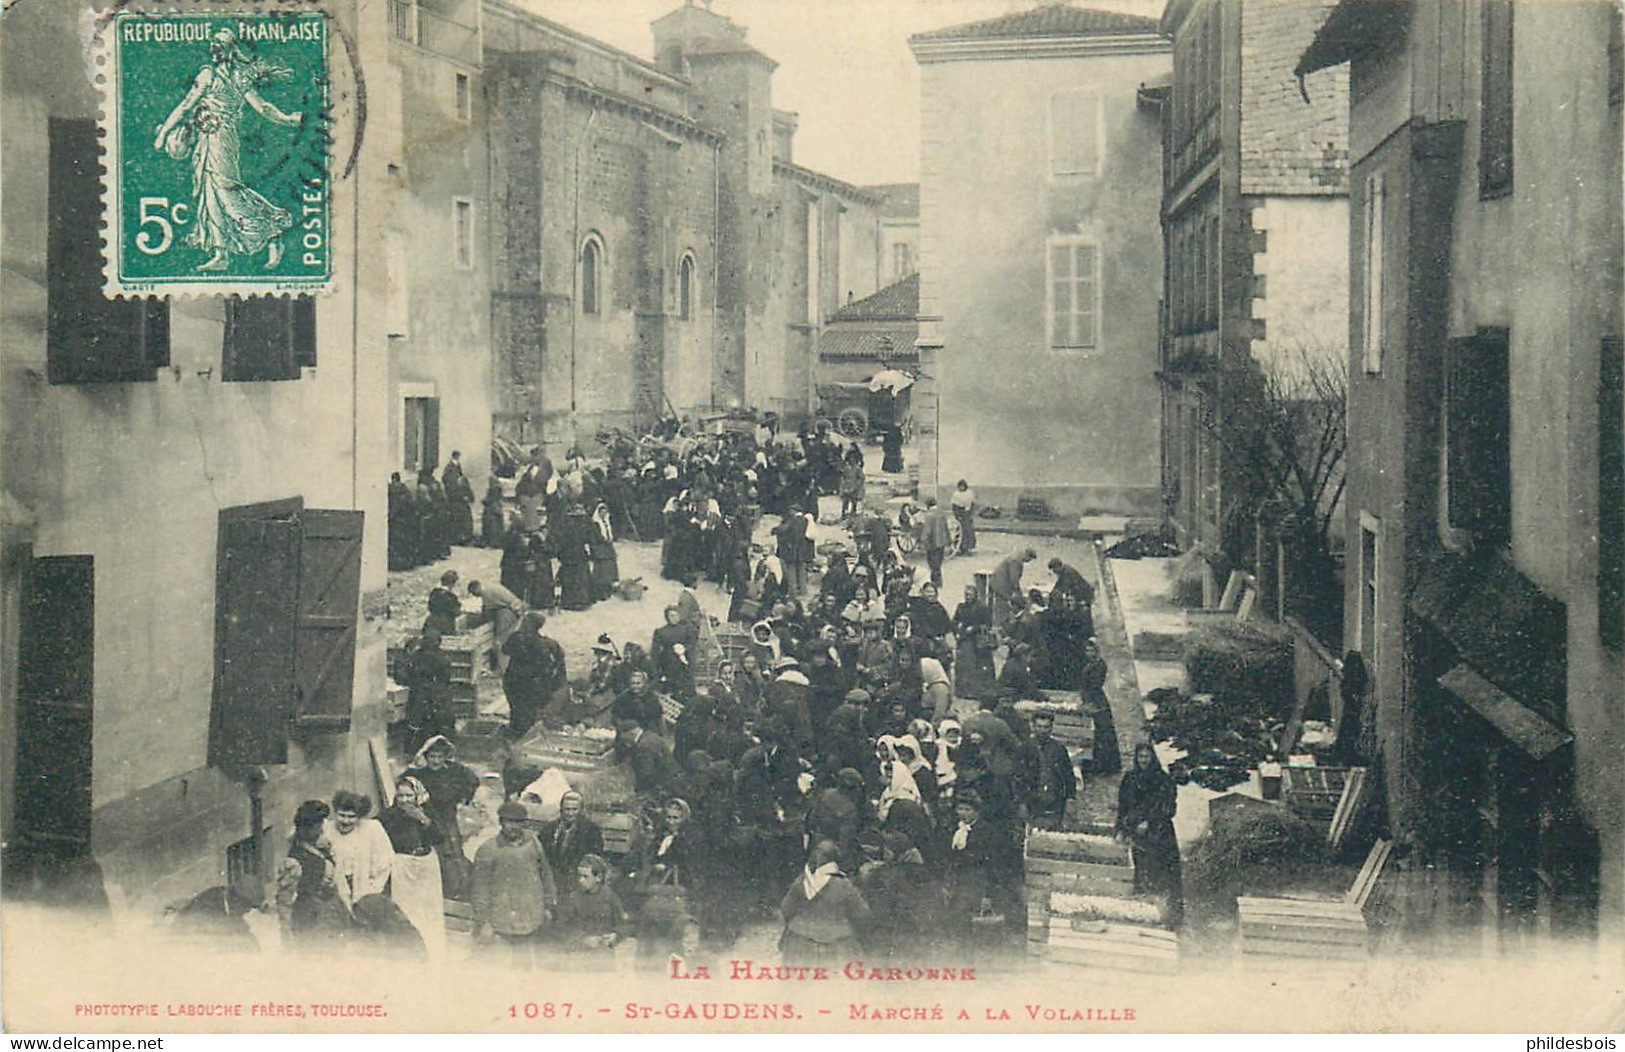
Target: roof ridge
(1055, 18)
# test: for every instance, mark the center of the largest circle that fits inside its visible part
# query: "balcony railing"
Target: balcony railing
(443, 36)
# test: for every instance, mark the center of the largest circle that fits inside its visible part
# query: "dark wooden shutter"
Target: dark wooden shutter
(304, 330)
(329, 595)
(259, 340)
(256, 636)
(1611, 493)
(1495, 113)
(1478, 404)
(90, 338)
(431, 432)
(56, 683)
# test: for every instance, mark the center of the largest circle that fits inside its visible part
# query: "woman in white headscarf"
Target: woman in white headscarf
(909, 756)
(415, 883)
(900, 785)
(949, 735)
(937, 693)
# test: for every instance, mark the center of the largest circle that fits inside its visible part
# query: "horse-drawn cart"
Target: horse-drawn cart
(868, 407)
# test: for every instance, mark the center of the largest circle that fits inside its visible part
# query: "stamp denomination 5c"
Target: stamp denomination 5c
(218, 177)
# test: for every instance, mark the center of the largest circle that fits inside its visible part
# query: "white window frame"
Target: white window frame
(1369, 524)
(1100, 133)
(462, 96)
(902, 265)
(462, 235)
(1071, 243)
(405, 392)
(599, 289)
(1371, 310)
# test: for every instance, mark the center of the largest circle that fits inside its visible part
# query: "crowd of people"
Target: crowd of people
(428, 516)
(862, 768)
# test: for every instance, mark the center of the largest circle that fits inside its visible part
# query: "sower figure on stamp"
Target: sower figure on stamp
(229, 217)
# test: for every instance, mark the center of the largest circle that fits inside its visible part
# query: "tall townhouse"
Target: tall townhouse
(1484, 475)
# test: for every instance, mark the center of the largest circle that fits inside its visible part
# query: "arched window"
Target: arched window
(685, 287)
(592, 263)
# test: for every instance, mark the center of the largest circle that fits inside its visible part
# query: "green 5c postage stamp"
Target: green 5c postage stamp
(218, 177)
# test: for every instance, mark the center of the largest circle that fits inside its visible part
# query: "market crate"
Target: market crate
(465, 653)
(1286, 930)
(1072, 727)
(568, 752)
(395, 697)
(1314, 792)
(482, 738)
(1047, 908)
(1114, 947)
(1037, 897)
(620, 830)
(1079, 863)
(1100, 848)
(1302, 928)
(459, 917)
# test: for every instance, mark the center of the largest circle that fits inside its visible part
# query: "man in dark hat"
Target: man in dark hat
(514, 894)
(654, 772)
(1045, 780)
(935, 538)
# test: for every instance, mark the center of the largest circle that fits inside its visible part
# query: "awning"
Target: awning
(1500, 623)
(1351, 27)
(1521, 726)
(890, 380)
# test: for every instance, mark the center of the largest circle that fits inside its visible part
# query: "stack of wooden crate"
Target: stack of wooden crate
(1082, 908)
(1321, 928)
(620, 830)
(467, 653)
(568, 752)
(1313, 792)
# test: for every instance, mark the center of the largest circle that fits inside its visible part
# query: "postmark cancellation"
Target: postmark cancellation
(217, 176)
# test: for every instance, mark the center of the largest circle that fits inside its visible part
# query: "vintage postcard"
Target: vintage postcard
(776, 516)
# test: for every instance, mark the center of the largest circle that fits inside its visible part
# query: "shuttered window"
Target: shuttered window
(268, 338)
(1495, 114)
(1074, 131)
(1074, 282)
(287, 592)
(1479, 421)
(56, 691)
(329, 590)
(90, 338)
(1611, 494)
(462, 233)
(256, 597)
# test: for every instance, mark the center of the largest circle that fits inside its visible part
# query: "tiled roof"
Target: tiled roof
(1051, 20)
(891, 345)
(895, 302)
